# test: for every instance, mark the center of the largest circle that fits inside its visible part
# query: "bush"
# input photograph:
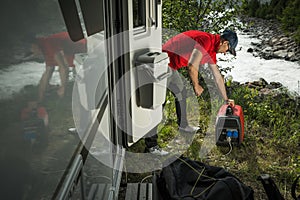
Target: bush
(286, 11)
(290, 18)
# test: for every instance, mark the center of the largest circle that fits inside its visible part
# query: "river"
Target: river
(15, 77)
(246, 68)
(250, 68)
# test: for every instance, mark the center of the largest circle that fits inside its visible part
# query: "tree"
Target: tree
(206, 15)
(278, 6)
(254, 6)
(286, 11)
(290, 18)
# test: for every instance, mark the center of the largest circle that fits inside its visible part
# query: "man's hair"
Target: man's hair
(232, 38)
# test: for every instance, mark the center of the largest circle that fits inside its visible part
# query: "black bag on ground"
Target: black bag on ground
(188, 179)
(272, 190)
(270, 187)
(294, 186)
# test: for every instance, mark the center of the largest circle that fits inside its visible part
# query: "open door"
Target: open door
(148, 67)
(136, 67)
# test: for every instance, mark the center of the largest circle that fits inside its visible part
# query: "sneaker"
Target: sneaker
(189, 129)
(156, 150)
(72, 130)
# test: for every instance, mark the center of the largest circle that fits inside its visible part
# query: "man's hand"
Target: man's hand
(198, 89)
(230, 102)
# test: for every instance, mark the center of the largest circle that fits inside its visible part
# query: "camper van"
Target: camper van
(113, 98)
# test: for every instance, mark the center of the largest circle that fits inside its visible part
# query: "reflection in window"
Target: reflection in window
(139, 13)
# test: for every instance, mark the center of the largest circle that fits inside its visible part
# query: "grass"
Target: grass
(271, 143)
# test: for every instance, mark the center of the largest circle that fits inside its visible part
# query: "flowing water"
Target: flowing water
(250, 68)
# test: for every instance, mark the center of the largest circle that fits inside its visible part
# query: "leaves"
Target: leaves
(205, 15)
(287, 11)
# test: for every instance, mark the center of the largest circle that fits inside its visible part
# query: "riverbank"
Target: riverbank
(273, 42)
(250, 63)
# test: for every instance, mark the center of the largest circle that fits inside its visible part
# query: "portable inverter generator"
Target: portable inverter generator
(33, 127)
(230, 125)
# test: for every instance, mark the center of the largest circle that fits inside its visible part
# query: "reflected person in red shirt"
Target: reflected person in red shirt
(58, 50)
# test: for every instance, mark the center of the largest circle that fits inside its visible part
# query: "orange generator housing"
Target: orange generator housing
(230, 123)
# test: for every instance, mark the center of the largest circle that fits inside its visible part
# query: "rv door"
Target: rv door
(148, 67)
(137, 69)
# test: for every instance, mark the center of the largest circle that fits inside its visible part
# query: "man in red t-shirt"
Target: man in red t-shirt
(58, 50)
(192, 49)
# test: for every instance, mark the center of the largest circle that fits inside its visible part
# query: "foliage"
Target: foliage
(251, 7)
(286, 11)
(297, 35)
(266, 10)
(291, 16)
(206, 15)
(268, 113)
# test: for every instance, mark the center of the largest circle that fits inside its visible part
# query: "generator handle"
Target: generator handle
(229, 110)
(230, 102)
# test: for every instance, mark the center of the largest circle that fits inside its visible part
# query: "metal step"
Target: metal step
(139, 191)
(99, 192)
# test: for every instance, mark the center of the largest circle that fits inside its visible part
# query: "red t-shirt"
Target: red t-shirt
(41, 113)
(180, 47)
(60, 41)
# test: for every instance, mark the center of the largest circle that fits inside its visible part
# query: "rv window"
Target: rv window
(139, 13)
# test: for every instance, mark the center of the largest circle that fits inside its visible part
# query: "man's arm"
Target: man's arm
(193, 66)
(219, 80)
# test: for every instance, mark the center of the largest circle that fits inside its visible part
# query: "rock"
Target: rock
(278, 47)
(256, 44)
(273, 42)
(280, 54)
(251, 85)
(284, 39)
(250, 50)
(274, 85)
(290, 56)
(265, 91)
(263, 86)
(267, 49)
(263, 82)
